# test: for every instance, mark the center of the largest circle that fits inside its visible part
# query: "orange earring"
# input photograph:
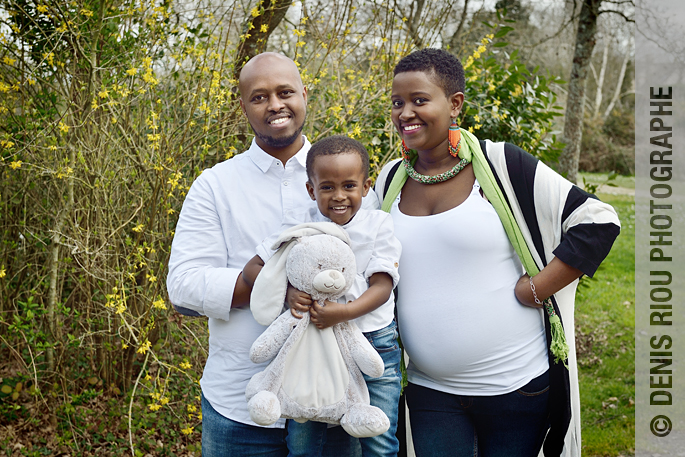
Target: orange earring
(454, 137)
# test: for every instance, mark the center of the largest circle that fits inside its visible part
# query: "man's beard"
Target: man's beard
(279, 143)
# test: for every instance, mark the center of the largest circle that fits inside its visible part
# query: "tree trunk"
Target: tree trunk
(600, 81)
(575, 103)
(273, 14)
(619, 83)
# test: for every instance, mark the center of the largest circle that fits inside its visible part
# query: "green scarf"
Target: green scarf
(471, 151)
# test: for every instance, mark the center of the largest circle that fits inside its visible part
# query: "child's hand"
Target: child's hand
(328, 315)
(298, 301)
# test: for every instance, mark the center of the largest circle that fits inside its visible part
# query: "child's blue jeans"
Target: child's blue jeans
(306, 440)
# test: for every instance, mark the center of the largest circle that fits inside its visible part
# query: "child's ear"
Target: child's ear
(367, 186)
(310, 190)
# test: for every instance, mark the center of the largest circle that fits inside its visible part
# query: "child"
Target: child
(338, 179)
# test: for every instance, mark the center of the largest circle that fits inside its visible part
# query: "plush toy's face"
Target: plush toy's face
(321, 265)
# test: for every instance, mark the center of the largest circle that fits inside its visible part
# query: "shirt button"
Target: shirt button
(286, 183)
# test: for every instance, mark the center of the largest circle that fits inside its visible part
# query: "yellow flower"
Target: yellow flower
(187, 431)
(8, 60)
(103, 93)
(138, 228)
(185, 366)
(476, 118)
(148, 377)
(2, 272)
(124, 346)
(477, 126)
(132, 71)
(254, 12)
(192, 408)
(155, 407)
(159, 304)
(42, 8)
(356, 132)
(164, 401)
(86, 12)
(264, 28)
(144, 347)
(16, 164)
(63, 127)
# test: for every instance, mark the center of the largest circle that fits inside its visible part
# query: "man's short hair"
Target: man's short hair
(446, 68)
(337, 144)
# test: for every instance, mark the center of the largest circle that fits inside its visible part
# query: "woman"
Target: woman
(487, 361)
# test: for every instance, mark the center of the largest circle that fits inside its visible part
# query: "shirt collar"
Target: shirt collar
(263, 160)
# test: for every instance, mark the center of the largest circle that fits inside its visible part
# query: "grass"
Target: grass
(601, 178)
(605, 323)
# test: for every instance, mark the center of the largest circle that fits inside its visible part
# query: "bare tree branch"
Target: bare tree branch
(620, 13)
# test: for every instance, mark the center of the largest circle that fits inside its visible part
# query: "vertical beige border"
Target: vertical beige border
(660, 210)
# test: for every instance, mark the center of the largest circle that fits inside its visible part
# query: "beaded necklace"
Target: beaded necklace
(454, 136)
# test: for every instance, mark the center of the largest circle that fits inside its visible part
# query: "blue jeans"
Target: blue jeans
(305, 439)
(223, 437)
(509, 425)
(316, 439)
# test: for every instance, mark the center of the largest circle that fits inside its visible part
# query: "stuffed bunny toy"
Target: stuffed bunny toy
(314, 374)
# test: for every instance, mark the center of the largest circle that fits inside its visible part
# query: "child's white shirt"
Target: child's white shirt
(376, 250)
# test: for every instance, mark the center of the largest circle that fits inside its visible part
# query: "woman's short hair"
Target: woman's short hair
(444, 66)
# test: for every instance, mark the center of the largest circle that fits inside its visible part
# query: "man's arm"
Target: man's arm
(198, 279)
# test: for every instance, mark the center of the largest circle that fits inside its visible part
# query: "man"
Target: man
(228, 211)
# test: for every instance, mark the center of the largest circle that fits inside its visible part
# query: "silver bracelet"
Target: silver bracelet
(535, 295)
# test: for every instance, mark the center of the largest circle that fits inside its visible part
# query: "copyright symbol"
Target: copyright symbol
(660, 426)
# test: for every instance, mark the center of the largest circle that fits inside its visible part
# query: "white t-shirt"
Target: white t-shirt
(376, 250)
(460, 322)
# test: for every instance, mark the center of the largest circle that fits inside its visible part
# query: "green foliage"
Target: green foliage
(609, 145)
(508, 102)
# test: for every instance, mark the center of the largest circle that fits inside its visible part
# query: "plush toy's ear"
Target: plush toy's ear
(268, 293)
